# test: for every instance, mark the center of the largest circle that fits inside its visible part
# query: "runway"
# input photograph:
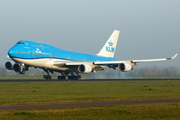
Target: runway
(87, 104)
(43, 80)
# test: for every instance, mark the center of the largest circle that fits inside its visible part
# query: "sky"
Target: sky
(148, 28)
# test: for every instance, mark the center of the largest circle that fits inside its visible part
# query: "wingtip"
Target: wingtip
(7, 57)
(174, 57)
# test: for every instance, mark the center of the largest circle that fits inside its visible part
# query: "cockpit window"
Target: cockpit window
(20, 43)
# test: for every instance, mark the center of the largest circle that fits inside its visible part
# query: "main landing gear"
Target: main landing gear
(47, 77)
(70, 77)
(63, 76)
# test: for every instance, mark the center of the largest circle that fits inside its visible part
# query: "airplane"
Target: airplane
(69, 64)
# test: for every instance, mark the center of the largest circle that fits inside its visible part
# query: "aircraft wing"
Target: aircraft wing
(131, 62)
(150, 60)
(8, 58)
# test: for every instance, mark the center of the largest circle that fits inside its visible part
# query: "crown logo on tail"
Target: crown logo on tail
(110, 48)
(110, 43)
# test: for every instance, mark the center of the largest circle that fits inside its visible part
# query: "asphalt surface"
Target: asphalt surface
(87, 104)
(43, 80)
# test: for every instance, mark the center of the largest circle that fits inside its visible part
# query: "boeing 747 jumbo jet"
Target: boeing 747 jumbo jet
(25, 54)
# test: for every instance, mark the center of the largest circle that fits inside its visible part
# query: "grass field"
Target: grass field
(164, 111)
(13, 93)
(58, 92)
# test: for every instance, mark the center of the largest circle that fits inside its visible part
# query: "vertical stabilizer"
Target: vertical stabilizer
(109, 48)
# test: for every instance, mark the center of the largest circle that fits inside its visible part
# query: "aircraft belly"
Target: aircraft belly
(59, 68)
(41, 63)
(50, 65)
(32, 62)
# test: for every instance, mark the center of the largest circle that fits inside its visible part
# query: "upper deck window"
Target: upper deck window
(20, 43)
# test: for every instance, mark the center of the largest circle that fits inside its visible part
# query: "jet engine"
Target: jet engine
(84, 69)
(16, 67)
(9, 65)
(21, 69)
(125, 67)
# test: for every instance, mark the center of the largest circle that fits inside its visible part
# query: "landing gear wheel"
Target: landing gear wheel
(48, 77)
(69, 77)
(44, 76)
(23, 72)
(74, 77)
(61, 77)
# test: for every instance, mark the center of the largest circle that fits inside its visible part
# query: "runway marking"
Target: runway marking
(87, 104)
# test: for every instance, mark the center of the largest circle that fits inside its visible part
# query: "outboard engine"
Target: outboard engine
(9, 65)
(125, 67)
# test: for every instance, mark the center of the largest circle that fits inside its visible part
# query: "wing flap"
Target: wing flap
(108, 62)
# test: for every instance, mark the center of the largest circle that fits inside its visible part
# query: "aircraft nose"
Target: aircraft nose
(12, 52)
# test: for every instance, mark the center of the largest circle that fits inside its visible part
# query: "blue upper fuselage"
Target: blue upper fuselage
(34, 50)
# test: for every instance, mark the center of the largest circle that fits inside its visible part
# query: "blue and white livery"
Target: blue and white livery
(25, 54)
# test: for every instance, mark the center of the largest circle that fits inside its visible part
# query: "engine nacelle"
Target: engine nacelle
(21, 69)
(9, 65)
(84, 68)
(16, 67)
(125, 67)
